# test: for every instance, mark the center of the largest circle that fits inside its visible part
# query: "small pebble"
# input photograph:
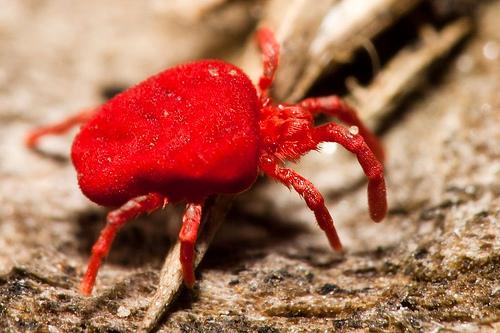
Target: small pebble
(123, 312)
(53, 329)
(354, 130)
(491, 50)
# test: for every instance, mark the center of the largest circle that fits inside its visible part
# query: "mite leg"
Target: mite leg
(334, 106)
(374, 170)
(270, 56)
(311, 195)
(115, 220)
(187, 236)
(58, 128)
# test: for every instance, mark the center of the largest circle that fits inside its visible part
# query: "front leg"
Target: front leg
(115, 221)
(373, 168)
(305, 189)
(336, 107)
(270, 56)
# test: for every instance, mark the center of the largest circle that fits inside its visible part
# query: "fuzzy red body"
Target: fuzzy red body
(186, 133)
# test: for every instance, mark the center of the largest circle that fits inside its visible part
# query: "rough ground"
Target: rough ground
(432, 265)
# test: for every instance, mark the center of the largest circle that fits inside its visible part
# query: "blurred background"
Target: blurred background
(424, 74)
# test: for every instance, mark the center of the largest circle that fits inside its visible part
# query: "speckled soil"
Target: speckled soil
(432, 266)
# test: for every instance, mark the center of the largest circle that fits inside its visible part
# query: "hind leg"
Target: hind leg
(270, 57)
(62, 127)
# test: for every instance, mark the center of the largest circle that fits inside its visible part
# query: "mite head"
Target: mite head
(286, 131)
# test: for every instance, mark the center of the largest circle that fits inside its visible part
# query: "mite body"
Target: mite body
(185, 133)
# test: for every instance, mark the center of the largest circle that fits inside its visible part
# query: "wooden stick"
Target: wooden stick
(170, 282)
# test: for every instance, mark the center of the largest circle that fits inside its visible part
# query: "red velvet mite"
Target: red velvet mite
(199, 129)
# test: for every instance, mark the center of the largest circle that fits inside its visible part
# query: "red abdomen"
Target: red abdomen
(188, 132)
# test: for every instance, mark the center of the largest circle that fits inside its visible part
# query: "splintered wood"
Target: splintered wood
(405, 71)
(344, 29)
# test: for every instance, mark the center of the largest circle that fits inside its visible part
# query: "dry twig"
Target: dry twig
(171, 274)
